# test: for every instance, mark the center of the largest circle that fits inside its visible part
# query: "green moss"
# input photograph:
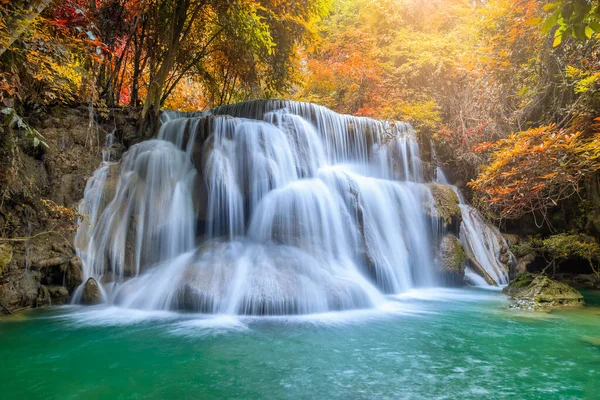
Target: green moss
(522, 280)
(453, 256)
(459, 255)
(538, 292)
(446, 205)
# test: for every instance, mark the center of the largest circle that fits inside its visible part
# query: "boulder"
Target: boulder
(51, 295)
(58, 294)
(74, 273)
(452, 260)
(91, 292)
(538, 292)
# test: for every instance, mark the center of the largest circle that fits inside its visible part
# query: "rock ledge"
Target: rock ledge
(538, 292)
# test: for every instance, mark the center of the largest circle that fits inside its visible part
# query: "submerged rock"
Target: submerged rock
(535, 292)
(452, 260)
(91, 292)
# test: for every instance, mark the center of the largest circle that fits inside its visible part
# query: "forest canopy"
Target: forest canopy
(183, 54)
(505, 90)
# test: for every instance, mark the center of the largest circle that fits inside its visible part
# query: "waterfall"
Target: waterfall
(483, 242)
(261, 208)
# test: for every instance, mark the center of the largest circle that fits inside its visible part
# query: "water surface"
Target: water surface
(441, 343)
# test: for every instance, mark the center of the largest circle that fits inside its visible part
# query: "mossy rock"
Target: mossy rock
(452, 260)
(521, 281)
(535, 292)
(446, 204)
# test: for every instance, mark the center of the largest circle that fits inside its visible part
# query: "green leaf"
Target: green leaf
(557, 41)
(567, 11)
(550, 22)
(550, 7)
(36, 142)
(568, 32)
(579, 32)
(588, 32)
(594, 25)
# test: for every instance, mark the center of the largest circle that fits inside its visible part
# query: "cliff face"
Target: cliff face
(40, 188)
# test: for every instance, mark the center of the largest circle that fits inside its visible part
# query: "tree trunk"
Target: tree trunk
(154, 95)
(155, 89)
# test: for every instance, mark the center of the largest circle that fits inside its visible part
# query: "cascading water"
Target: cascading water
(483, 242)
(260, 208)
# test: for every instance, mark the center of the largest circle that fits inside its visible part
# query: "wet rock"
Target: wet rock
(109, 277)
(91, 292)
(51, 296)
(506, 257)
(538, 292)
(58, 173)
(109, 186)
(74, 273)
(58, 294)
(452, 260)
(589, 281)
(43, 297)
(129, 268)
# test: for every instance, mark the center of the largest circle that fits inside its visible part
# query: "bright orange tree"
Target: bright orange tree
(533, 170)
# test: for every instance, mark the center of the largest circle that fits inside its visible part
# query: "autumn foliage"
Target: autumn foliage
(533, 170)
(465, 73)
(131, 52)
